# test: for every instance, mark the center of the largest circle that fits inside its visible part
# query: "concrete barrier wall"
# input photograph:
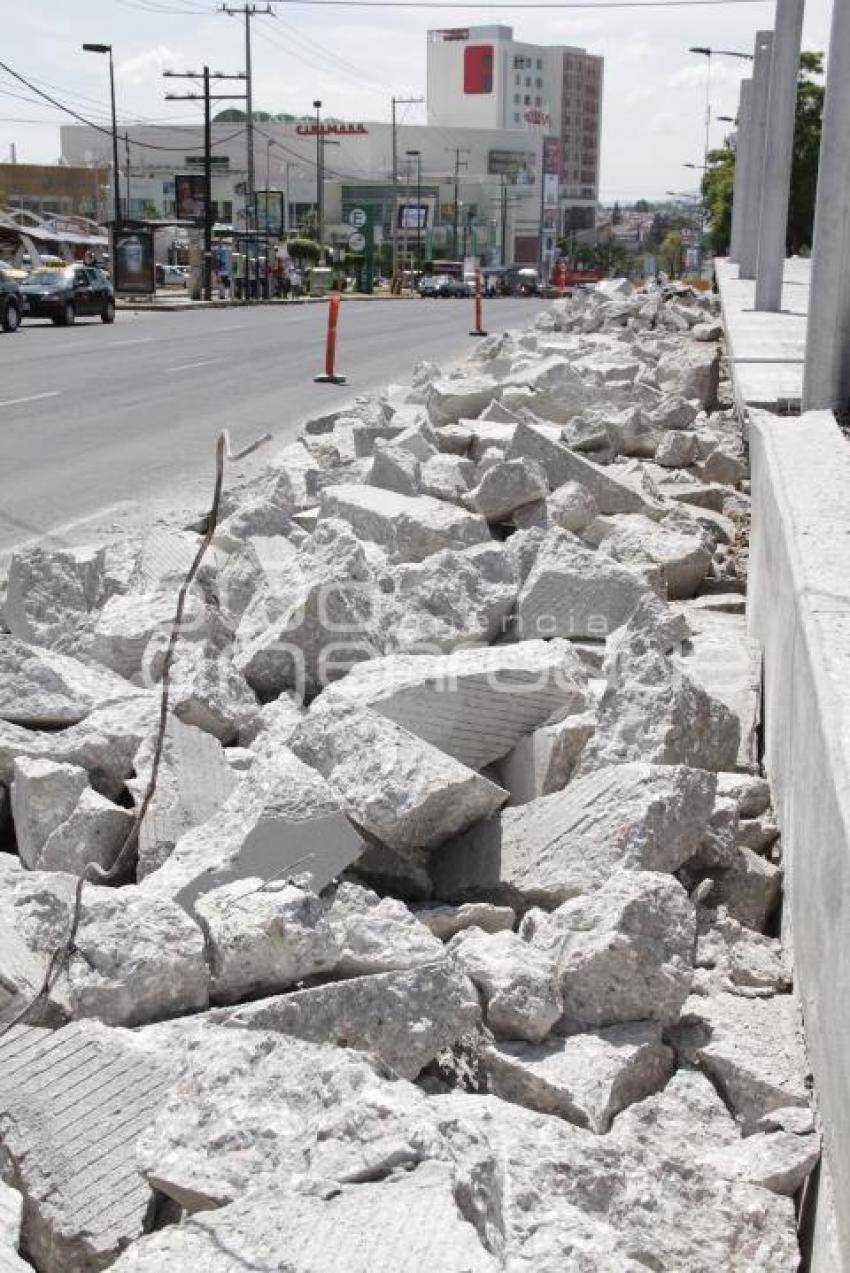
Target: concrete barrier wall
(799, 608)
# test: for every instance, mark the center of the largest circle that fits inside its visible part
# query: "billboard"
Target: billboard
(268, 211)
(134, 263)
(478, 68)
(552, 155)
(189, 200)
(518, 166)
(413, 216)
(550, 190)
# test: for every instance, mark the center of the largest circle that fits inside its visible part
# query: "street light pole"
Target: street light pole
(417, 155)
(116, 194)
(317, 107)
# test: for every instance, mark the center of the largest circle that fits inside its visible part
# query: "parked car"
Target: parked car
(170, 276)
(427, 285)
(13, 272)
(448, 286)
(78, 291)
(11, 304)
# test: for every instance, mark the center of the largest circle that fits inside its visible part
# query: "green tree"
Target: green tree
(303, 251)
(641, 205)
(671, 254)
(717, 185)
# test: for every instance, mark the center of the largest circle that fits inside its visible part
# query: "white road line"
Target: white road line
(120, 344)
(35, 397)
(187, 366)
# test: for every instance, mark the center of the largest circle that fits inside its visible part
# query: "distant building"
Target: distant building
(481, 77)
(55, 189)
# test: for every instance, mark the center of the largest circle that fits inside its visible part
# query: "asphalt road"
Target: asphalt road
(100, 421)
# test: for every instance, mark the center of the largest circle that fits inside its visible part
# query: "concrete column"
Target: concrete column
(778, 154)
(745, 106)
(826, 378)
(754, 169)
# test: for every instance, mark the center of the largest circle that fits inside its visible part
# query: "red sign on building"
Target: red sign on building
(478, 68)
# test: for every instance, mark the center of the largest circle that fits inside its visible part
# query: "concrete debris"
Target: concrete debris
(507, 486)
(41, 689)
(395, 468)
(676, 450)
(398, 790)
(447, 477)
(777, 1161)
(641, 817)
(518, 983)
(44, 795)
(51, 594)
(94, 831)
(207, 691)
(587, 1078)
(444, 920)
(377, 934)
(693, 371)
(682, 558)
(282, 821)
(122, 634)
(407, 529)
(749, 889)
(563, 465)
(726, 662)
(544, 761)
(406, 1017)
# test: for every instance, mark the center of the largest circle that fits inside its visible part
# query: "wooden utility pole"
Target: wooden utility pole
(248, 11)
(457, 151)
(397, 101)
(207, 97)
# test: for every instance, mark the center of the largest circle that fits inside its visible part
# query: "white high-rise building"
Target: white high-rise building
(481, 77)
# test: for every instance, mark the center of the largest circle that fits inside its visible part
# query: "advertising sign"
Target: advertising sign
(189, 196)
(134, 263)
(478, 68)
(413, 216)
(517, 165)
(550, 190)
(268, 211)
(552, 155)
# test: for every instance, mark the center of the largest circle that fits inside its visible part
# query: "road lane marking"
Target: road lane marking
(34, 397)
(187, 366)
(120, 344)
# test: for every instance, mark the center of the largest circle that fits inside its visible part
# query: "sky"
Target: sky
(354, 59)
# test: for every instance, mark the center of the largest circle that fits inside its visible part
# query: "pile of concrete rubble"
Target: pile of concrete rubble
(452, 942)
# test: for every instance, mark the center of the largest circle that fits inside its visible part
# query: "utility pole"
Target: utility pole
(397, 101)
(457, 151)
(127, 183)
(504, 230)
(207, 99)
(248, 11)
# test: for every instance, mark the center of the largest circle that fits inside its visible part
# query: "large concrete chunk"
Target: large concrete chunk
(575, 592)
(123, 634)
(137, 959)
(587, 1078)
(449, 400)
(544, 762)
(474, 703)
(652, 710)
(51, 593)
(507, 486)
(207, 691)
(398, 789)
(693, 371)
(410, 1223)
(263, 937)
(624, 953)
(643, 817)
(44, 795)
(726, 662)
(376, 935)
(94, 831)
(563, 465)
(750, 1048)
(283, 820)
(44, 690)
(682, 557)
(518, 983)
(72, 1104)
(404, 1017)
(194, 780)
(408, 529)
(448, 600)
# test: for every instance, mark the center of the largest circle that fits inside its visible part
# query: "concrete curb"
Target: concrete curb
(176, 307)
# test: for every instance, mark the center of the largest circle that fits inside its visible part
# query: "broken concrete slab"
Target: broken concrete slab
(507, 486)
(263, 937)
(726, 661)
(750, 889)
(395, 468)
(447, 477)
(448, 400)
(208, 692)
(573, 592)
(43, 795)
(544, 761)
(41, 689)
(408, 529)
(444, 921)
(683, 558)
(398, 789)
(676, 450)
(473, 704)
(405, 1017)
(624, 953)
(563, 465)
(518, 983)
(777, 1161)
(94, 831)
(51, 593)
(643, 817)
(737, 959)
(282, 821)
(375, 934)
(123, 632)
(73, 1103)
(587, 1078)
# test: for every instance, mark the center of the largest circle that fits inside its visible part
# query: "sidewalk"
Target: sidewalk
(776, 385)
(170, 301)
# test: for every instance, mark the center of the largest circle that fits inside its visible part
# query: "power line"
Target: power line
(529, 4)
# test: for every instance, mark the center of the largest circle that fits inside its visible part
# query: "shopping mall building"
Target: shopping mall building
(510, 152)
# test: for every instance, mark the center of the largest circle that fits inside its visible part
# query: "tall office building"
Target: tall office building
(481, 77)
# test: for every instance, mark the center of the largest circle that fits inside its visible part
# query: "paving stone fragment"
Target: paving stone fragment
(73, 1103)
(518, 983)
(404, 1017)
(41, 689)
(573, 592)
(751, 1049)
(408, 529)
(642, 817)
(43, 795)
(587, 1078)
(283, 820)
(410, 1223)
(624, 953)
(683, 558)
(375, 934)
(400, 790)
(473, 703)
(262, 938)
(444, 920)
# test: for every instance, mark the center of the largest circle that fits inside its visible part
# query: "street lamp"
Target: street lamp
(709, 54)
(317, 107)
(417, 155)
(116, 196)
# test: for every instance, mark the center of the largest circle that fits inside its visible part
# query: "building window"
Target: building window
(538, 101)
(527, 100)
(517, 80)
(540, 64)
(528, 81)
(516, 117)
(516, 99)
(538, 83)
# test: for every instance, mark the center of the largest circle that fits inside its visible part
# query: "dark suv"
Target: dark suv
(10, 303)
(78, 291)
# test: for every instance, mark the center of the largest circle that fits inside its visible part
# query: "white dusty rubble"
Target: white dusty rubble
(452, 939)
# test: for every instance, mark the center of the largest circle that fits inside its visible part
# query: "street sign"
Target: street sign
(357, 217)
(357, 241)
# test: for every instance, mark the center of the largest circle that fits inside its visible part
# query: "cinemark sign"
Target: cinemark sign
(335, 130)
